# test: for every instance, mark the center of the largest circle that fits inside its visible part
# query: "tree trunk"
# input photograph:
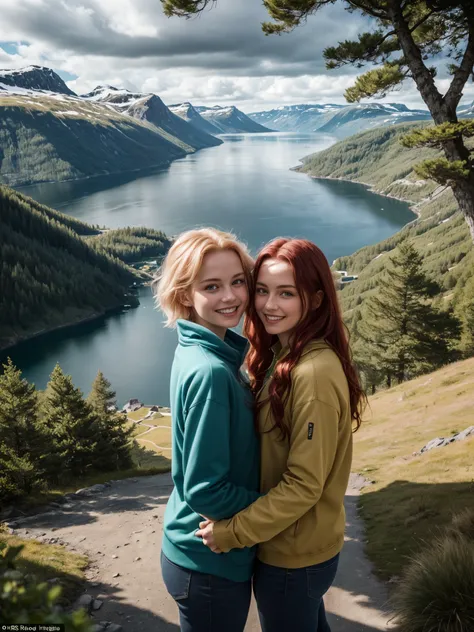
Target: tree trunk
(442, 110)
(464, 194)
(463, 189)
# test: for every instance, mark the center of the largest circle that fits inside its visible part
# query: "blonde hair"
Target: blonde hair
(182, 264)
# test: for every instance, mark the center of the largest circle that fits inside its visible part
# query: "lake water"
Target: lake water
(246, 186)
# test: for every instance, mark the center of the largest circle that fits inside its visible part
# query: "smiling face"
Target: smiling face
(277, 301)
(219, 295)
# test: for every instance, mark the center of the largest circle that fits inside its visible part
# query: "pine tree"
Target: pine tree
(114, 436)
(403, 333)
(73, 428)
(22, 441)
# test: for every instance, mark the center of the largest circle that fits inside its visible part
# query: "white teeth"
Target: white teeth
(231, 310)
(274, 318)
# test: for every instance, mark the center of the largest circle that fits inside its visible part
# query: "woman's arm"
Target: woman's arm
(313, 446)
(206, 459)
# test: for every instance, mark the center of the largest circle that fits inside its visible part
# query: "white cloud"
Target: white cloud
(221, 57)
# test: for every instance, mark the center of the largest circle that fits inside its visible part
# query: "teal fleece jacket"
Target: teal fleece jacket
(215, 465)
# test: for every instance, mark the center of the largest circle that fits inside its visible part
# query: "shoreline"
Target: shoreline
(44, 332)
(152, 169)
(370, 187)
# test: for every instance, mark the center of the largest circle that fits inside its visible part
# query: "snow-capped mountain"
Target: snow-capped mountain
(189, 113)
(149, 107)
(36, 78)
(230, 120)
(107, 131)
(339, 120)
(291, 118)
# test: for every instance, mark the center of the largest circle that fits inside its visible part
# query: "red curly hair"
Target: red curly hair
(312, 274)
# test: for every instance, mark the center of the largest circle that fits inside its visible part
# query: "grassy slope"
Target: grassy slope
(413, 496)
(50, 139)
(440, 233)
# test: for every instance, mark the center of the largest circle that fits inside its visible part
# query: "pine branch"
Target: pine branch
(376, 83)
(443, 171)
(185, 8)
(362, 6)
(370, 47)
(436, 136)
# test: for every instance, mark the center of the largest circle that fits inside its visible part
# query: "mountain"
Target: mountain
(150, 108)
(189, 113)
(363, 116)
(50, 275)
(438, 230)
(296, 118)
(33, 78)
(338, 120)
(55, 137)
(47, 133)
(230, 120)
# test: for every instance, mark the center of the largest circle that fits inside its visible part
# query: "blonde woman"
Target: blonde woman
(203, 289)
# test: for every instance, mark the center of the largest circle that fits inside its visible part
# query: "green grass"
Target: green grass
(413, 497)
(47, 561)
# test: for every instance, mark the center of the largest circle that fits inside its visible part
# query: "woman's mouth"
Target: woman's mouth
(273, 319)
(228, 311)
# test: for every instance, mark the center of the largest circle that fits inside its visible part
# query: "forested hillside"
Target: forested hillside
(132, 244)
(49, 274)
(46, 139)
(439, 233)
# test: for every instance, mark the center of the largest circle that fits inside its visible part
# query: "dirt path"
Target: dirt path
(120, 528)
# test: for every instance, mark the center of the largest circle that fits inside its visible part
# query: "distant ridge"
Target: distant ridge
(230, 120)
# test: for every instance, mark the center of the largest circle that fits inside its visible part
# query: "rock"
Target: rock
(90, 491)
(137, 559)
(97, 604)
(434, 443)
(54, 580)
(114, 557)
(116, 575)
(464, 434)
(85, 601)
(95, 584)
(114, 627)
(54, 528)
(13, 525)
(127, 544)
(97, 627)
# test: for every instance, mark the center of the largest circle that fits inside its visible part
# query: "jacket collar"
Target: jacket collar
(232, 349)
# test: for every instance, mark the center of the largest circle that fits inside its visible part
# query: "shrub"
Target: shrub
(24, 601)
(436, 591)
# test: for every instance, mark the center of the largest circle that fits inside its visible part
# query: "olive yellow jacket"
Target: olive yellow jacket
(300, 519)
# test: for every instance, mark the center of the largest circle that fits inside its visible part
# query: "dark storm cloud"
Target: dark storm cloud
(226, 39)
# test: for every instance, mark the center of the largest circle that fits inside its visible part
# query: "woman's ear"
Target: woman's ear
(185, 300)
(317, 299)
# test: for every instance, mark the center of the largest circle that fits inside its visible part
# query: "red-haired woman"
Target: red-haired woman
(308, 400)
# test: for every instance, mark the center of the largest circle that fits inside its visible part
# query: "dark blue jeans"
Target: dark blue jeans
(291, 599)
(206, 603)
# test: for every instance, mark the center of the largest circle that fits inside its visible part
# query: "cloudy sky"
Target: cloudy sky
(220, 57)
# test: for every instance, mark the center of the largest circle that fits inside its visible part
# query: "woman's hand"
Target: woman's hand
(206, 532)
